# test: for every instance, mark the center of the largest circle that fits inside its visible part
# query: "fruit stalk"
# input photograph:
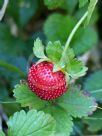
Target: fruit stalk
(72, 34)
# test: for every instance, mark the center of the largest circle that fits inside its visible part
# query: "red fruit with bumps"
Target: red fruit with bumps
(47, 84)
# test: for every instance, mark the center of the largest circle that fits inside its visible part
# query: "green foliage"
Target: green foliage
(54, 51)
(91, 8)
(79, 104)
(22, 23)
(68, 63)
(58, 26)
(11, 107)
(66, 5)
(64, 124)
(2, 133)
(27, 98)
(73, 103)
(70, 6)
(93, 84)
(76, 103)
(11, 67)
(25, 10)
(53, 4)
(38, 49)
(94, 122)
(82, 3)
(31, 123)
(76, 68)
(8, 42)
(84, 40)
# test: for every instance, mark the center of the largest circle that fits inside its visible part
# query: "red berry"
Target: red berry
(47, 84)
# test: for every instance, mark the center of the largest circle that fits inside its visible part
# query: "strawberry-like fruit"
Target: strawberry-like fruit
(46, 84)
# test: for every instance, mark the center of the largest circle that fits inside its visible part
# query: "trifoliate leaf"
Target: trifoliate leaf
(84, 40)
(26, 97)
(93, 83)
(53, 4)
(54, 51)
(38, 49)
(32, 123)
(76, 103)
(91, 8)
(64, 124)
(58, 27)
(82, 3)
(2, 133)
(94, 122)
(76, 68)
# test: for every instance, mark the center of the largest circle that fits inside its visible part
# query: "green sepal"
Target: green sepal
(38, 49)
(54, 51)
(75, 68)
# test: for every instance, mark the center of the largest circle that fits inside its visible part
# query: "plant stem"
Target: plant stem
(72, 34)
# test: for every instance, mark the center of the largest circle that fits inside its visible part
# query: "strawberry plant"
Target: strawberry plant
(51, 74)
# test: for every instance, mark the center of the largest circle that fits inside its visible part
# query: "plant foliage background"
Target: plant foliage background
(26, 20)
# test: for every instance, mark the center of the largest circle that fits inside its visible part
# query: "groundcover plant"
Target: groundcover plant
(50, 68)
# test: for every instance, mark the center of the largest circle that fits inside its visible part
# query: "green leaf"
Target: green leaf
(2, 133)
(53, 4)
(82, 3)
(64, 124)
(26, 97)
(91, 8)
(70, 5)
(12, 5)
(58, 26)
(9, 108)
(54, 51)
(67, 5)
(75, 68)
(10, 45)
(32, 123)
(94, 122)
(38, 49)
(93, 84)
(27, 9)
(84, 40)
(76, 103)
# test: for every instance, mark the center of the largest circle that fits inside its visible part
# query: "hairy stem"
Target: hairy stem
(72, 34)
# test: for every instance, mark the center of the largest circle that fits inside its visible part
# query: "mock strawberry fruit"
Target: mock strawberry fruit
(46, 84)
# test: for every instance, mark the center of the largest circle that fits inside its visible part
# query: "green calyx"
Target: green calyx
(63, 58)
